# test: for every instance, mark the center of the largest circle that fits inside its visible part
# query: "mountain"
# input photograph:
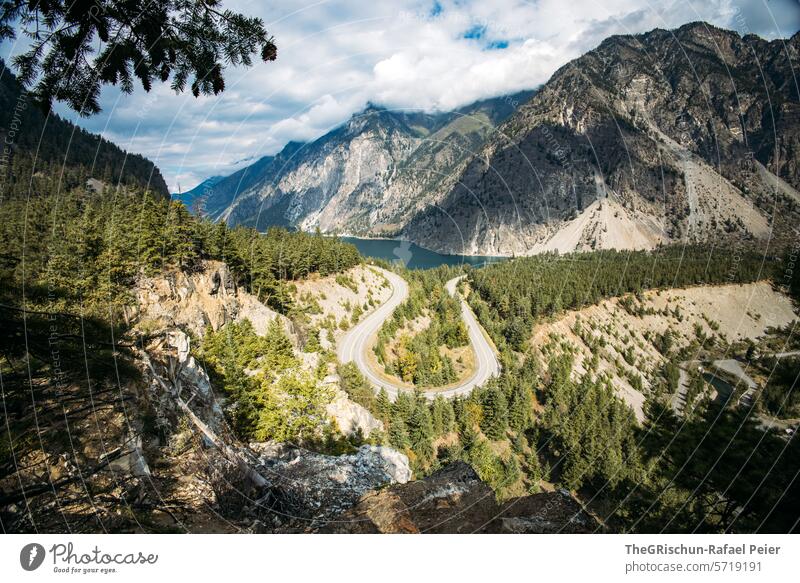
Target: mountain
(32, 141)
(197, 193)
(369, 175)
(667, 136)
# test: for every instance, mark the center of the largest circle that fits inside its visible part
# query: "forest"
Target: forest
(86, 248)
(537, 424)
(510, 297)
(418, 358)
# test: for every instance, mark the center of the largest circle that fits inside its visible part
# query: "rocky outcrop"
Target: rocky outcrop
(455, 500)
(197, 300)
(317, 486)
(351, 418)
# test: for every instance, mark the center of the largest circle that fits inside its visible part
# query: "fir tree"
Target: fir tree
(520, 409)
(398, 433)
(495, 413)
(420, 432)
(383, 406)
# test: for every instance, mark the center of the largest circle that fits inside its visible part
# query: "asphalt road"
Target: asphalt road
(354, 344)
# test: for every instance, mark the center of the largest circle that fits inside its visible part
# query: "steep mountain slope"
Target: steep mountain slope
(32, 141)
(369, 175)
(665, 136)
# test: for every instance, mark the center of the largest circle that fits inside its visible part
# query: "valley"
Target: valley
(568, 309)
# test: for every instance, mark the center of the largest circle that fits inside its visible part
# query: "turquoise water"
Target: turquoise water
(413, 256)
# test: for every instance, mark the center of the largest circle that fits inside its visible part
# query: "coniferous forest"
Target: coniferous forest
(510, 296)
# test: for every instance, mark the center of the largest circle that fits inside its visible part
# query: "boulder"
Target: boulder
(455, 500)
(317, 486)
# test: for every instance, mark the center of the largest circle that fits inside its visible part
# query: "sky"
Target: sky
(336, 56)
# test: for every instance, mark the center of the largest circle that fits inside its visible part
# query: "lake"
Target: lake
(412, 255)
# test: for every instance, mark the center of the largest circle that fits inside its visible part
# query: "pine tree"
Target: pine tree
(398, 433)
(420, 432)
(383, 406)
(519, 414)
(495, 413)
(404, 405)
(534, 472)
(438, 416)
(279, 347)
(448, 417)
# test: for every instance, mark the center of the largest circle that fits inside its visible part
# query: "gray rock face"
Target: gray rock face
(366, 177)
(312, 485)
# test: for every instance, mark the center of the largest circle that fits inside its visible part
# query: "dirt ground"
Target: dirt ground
(733, 312)
(334, 298)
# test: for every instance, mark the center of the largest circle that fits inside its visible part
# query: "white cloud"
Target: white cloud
(335, 56)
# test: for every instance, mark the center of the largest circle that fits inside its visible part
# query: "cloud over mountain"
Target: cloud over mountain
(336, 56)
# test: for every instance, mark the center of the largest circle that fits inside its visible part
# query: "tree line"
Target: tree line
(509, 297)
(85, 248)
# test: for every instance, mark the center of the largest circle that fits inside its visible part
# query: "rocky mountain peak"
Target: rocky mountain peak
(665, 136)
(685, 133)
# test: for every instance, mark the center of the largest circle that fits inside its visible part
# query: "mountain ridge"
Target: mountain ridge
(647, 125)
(336, 182)
(662, 137)
(52, 140)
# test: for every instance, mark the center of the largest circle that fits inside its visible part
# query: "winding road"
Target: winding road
(354, 345)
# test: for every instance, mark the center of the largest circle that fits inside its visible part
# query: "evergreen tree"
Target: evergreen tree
(534, 472)
(520, 409)
(383, 406)
(398, 433)
(404, 404)
(420, 432)
(495, 413)
(442, 418)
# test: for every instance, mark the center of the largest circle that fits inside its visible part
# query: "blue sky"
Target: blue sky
(335, 56)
